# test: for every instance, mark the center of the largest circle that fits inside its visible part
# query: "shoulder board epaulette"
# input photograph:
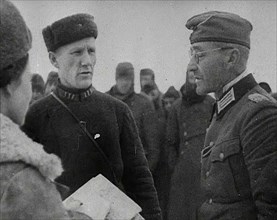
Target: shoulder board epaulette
(256, 97)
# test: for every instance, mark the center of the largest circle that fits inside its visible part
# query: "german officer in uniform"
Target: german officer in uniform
(239, 158)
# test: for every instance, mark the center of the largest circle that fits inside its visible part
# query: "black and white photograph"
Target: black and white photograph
(138, 110)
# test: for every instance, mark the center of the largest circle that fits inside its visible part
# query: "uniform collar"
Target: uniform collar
(73, 94)
(234, 94)
(234, 81)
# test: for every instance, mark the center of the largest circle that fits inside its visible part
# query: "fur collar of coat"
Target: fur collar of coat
(16, 146)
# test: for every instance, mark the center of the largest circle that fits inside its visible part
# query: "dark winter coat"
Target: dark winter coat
(161, 174)
(186, 129)
(239, 161)
(112, 125)
(146, 122)
(27, 190)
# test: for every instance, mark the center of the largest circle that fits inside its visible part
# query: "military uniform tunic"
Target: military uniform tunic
(239, 159)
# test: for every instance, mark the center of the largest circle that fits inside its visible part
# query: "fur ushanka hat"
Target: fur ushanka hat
(15, 37)
(68, 30)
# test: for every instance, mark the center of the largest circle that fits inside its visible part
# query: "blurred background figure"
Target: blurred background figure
(170, 96)
(37, 87)
(266, 87)
(186, 128)
(162, 107)
(141, 108)
(147, 78)
(152, 93)
(51, 82)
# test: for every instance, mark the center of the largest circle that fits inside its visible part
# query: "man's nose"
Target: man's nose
(192, 68)
(87, 60)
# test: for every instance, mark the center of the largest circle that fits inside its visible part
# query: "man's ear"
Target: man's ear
(233, 56)
(8, 90)
(53, 59)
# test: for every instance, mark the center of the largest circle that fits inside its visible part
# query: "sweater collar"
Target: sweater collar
(72, 93)
(16, 146)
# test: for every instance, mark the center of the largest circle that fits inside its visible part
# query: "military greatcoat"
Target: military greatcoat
(186, 129)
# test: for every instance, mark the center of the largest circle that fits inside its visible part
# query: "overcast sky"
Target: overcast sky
(151, 34)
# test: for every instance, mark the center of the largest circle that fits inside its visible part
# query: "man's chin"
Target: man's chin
(200, 91)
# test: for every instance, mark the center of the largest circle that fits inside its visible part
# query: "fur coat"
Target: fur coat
(26, 177)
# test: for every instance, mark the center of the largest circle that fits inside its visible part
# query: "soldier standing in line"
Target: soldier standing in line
(141, 108)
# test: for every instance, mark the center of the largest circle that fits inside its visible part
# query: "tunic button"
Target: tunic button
(207, 173)
(211, 143)
(221, 156)
(182, 152)
(210, 201)
(185, 133)
(184, 124)
(186, 143)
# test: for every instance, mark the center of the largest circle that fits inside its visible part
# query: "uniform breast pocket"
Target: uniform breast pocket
(222, 157)
(224, 150)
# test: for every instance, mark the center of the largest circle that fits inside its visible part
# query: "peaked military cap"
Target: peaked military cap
(68, 30)
(15, 37)
(220, 27)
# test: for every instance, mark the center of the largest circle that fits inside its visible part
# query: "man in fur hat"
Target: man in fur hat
(239, 157)
(90, 131)
(142, 109)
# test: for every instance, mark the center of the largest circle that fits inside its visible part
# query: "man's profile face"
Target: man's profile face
(146, 80)
(190, 77)
(209, 72)
(75, 62)
(124, 84)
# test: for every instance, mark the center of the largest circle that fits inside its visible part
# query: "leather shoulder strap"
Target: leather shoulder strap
(82, 126)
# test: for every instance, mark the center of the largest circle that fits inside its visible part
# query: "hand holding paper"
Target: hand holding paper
(73, 204)
(102, 200)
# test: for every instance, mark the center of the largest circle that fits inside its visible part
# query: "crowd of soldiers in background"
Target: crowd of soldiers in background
(168, 123)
